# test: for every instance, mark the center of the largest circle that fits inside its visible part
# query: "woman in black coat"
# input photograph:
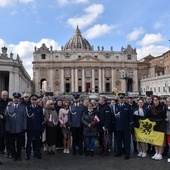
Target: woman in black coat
(89, 120)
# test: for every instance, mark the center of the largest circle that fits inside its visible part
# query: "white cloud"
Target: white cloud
(149, 39)
(65, 2)
(90, 16)
(135, 34)
(158, 25)
(151, 49)
(25, 1)
(4, 3)
(98, 31)
(25, 50)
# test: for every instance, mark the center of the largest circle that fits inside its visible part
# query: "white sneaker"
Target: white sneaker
(144, 154)
(168, 160)
(65, 151)
(153, 157)
(139, 154)
(158, 157)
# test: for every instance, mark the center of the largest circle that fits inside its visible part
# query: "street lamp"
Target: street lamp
(126, 75)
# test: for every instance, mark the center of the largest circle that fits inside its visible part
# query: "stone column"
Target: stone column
(135, 80)
(17, 80)
(72, 79)
(113, 77)
(51, 80)
(93, 80)
(103, 75)
(76, 80)
(83, 80)
(100, 80)
(62, 80)
(11, 83)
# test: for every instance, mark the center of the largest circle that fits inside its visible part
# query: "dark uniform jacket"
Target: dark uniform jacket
(88, 118)
(75, 115)
(105, 117)
(35, 118)
(123, 117)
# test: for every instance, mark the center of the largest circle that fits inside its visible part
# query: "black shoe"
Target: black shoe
(92, 153)
(19, 159)
(135, 150)
(87, 153)
(127, 157)
(39, 157)
(74, 153)
(27, 158)
(15, 159)
(80, 153)
(117, 155)
(51, 152)
(1, 163)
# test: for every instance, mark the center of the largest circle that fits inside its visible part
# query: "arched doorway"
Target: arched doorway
(43, 86)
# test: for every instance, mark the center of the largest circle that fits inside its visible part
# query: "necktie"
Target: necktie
(16, 106)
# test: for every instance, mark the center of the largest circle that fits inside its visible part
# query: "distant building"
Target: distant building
(155, 74)
(77, 67)
(13, 76)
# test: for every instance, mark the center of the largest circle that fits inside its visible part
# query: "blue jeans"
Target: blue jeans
(90, 143)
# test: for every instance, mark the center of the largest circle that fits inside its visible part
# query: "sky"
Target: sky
(24, 24)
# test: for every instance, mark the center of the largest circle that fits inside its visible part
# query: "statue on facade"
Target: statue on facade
(98, 48)
(111, 48)
(35, 48)
(11, 55)
(102, 48)
(51, 48)
(62, 48)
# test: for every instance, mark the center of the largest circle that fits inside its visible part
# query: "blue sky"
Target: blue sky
(28, 23)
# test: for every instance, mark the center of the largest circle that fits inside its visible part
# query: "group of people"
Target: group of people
(37, 122)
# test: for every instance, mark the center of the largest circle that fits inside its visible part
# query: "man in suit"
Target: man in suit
(74, 121)
(16, 123)
(35, 125)
(124, 123)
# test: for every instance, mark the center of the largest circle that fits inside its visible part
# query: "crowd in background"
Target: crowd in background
(39, 123)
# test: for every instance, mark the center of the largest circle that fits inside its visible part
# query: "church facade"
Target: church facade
(77, 67)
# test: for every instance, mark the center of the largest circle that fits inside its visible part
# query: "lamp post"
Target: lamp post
(126, 75)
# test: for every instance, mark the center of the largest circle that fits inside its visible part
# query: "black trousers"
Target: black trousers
(123, 136)
(16, 151)
(37, 136)
(77, 134)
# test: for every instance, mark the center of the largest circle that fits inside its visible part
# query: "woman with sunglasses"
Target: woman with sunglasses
(51, 123)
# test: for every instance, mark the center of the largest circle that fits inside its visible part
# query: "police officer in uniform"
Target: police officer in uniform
(74, 121)
(16, 123)
(35, 125)
(124, 124)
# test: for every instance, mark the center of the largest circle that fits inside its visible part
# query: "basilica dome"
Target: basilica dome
(77, 42)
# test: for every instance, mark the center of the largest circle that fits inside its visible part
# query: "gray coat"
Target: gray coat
(74, 115)
(88, 118)
(16, 119)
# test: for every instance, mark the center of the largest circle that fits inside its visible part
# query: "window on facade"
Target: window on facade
(95, 56)
(159, 89)
(67, 56)
(88, 72)
(43, 72)
(79, 72)
(129, 57)
(43, 56)
(79, 56)
(107, 72)
(67, 72)
(117, 57)
(154, 89)
(96, 72)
